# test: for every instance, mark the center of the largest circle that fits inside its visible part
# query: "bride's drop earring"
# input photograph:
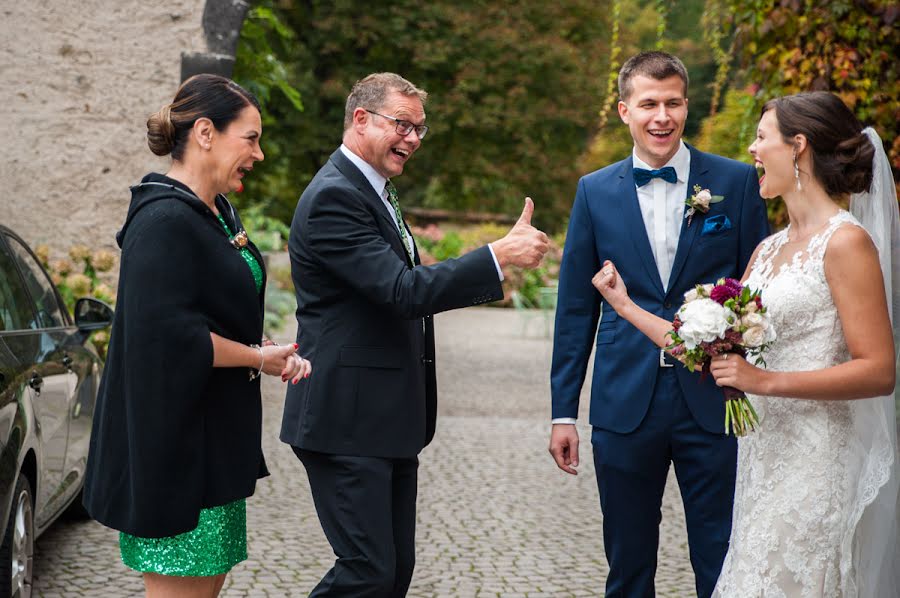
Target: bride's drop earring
(797, 173)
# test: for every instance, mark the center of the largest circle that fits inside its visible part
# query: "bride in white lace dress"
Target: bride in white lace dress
(816, 496)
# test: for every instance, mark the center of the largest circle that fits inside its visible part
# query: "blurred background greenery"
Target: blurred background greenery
(521, 95)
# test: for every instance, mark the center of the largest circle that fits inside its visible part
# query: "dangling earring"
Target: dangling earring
(797, 173)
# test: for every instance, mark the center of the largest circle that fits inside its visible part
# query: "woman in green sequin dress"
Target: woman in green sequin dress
(175, 448)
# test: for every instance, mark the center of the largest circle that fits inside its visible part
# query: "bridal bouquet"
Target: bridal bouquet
(725, 317)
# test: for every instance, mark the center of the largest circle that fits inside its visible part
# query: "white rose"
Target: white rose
(752, 319)
(690, 295)
(703, 320)
(751, 307)
(707, 288)
(702, 199)
(754, 336)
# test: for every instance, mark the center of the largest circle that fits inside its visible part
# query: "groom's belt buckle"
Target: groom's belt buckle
(662, 359)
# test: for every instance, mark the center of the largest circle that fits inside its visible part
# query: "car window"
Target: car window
(49, 314)
(16, 312)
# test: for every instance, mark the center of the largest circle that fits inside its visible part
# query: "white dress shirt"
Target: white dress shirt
(379, 184)
(662, 207)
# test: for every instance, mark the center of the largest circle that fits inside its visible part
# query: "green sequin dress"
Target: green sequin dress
(218, 543)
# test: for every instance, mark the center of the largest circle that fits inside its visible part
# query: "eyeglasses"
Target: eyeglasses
(403, 126)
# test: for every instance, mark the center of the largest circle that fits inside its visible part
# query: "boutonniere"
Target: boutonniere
(700, 202)
(240, 240)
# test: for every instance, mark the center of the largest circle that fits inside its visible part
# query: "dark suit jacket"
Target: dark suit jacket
(606, 224)
(364, 315)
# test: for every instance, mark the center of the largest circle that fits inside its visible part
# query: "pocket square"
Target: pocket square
(715, 224)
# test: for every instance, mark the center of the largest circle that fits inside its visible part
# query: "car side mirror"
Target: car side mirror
(92, 314)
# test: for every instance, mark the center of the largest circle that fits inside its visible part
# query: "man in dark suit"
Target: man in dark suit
(365, 306)
(645, 411)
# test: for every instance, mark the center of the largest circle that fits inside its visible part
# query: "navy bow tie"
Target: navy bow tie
(642, 176)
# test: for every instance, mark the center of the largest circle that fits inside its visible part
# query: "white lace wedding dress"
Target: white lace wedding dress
(801, 488)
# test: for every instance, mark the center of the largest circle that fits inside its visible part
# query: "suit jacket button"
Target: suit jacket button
(667, 305)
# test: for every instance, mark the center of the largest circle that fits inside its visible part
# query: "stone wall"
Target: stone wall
(79, 78)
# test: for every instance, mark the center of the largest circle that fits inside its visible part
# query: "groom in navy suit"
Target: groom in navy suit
(647, 411)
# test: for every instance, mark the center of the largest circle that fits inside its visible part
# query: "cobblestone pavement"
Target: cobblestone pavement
(496, 518)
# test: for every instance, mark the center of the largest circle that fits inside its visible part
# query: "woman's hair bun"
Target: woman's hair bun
(854, 155)
(161, 131)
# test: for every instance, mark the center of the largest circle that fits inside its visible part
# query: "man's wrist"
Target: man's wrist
(498, 250)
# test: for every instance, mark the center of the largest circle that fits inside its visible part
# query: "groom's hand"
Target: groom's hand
(524, 245)
(564, 447)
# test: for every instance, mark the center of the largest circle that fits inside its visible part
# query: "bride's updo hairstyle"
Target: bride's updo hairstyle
(841, 152)
(219, 99)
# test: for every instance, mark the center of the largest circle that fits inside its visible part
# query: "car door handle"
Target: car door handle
(36, 381)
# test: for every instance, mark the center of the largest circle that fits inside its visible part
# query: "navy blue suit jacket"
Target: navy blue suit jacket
(606, 224)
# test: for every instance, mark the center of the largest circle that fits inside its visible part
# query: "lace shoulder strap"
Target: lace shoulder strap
(818, 244)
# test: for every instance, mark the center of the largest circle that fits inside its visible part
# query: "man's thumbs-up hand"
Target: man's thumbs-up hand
(524, 245)
(527, 212)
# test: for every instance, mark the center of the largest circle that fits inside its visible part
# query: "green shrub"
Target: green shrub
(268, 233)
(79, 276)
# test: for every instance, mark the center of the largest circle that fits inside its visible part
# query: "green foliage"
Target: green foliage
(788, 46)
(532, 283)
(436, 244)
(268, 233)
(850, 48)
(280, 303)
(513, 95)
(257, 63)
(448, 246)
(613, 143)
(732, 129)
(265, 66)
(730, 132)
(663, 24)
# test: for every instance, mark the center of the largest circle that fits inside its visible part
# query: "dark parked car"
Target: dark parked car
(49, 374)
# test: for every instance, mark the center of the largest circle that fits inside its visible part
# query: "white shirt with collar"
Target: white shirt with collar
(379, 183)
(662, 207)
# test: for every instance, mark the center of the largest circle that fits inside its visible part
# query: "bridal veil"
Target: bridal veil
(870, 542)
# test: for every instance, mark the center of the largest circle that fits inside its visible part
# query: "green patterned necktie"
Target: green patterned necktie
(392, 195)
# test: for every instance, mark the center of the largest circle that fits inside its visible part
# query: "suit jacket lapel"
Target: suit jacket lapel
(634, 221)
(699, 169)
(359, 180)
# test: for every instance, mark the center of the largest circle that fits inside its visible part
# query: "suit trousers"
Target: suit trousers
(631, 477)
(367, 508)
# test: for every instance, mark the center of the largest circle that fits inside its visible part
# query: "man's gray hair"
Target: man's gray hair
(653, 64)
(371, 91)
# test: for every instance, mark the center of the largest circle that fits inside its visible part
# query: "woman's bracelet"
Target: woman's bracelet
(254, 374)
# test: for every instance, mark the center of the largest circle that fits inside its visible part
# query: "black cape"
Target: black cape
(171, 434)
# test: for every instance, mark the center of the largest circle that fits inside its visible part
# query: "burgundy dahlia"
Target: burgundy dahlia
(729, 289)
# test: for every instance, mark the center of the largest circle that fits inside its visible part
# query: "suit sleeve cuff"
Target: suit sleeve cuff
(563, 420)
(496, 263)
